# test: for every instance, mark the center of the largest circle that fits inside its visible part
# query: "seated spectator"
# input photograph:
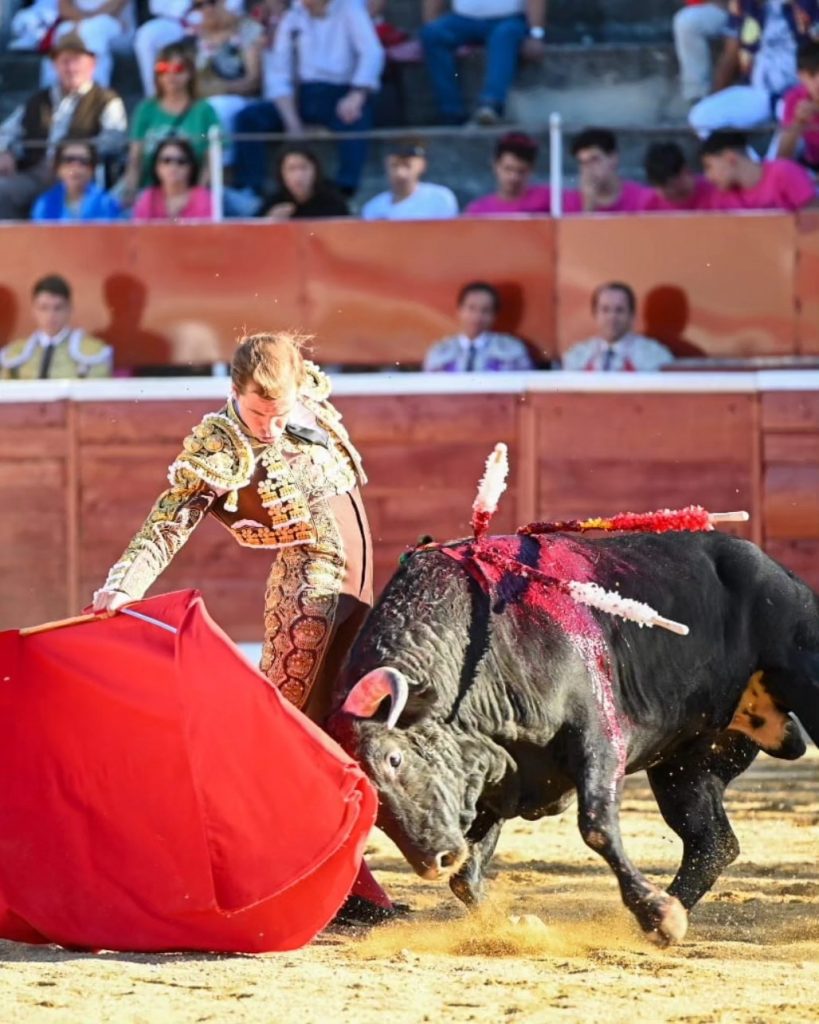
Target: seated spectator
(55, 350)
(174, 112)
(303, 190)
(74, 108)
(513, 164)
(674, 186)
(477, 346)
(174, 194)
(758, 63)
(228, 62)
(408, 197)
(602, 190)
(30, 26)
(746, 184)
(504, 27)
(171, 21)
(616, 346)
(76, 196)
(695, 26)
(325, 65)
(103, 25)
(799, 139)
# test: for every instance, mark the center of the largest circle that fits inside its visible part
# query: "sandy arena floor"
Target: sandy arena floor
(751, 955)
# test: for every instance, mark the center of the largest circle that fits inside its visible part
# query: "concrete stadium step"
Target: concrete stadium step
(580, 20)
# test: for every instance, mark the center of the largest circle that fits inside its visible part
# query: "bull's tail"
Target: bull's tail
(797, 688)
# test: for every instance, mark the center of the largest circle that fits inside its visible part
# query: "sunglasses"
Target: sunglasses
(180, 161)
(72, 158)
(170, 67)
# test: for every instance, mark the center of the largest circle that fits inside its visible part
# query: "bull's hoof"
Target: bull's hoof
(669, 922)
(470, 894)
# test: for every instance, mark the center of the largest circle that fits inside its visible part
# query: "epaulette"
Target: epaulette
(317, 385)
(218, 454)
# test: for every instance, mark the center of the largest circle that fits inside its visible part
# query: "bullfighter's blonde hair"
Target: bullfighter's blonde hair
(269, 363)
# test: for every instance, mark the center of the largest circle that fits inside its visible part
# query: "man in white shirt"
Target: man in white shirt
(325, 65)
(616, 346)
(505, 27)
(409, 198)
(477, 347)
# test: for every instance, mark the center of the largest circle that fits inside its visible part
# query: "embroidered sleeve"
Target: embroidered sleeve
(175, 515)
(216, 459)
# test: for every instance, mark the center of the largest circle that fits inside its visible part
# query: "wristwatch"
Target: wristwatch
(537, 32)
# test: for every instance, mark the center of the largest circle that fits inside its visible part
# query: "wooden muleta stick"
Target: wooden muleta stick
(45, 627)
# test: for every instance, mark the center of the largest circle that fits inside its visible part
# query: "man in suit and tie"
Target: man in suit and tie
(55, 350)
(616, 346)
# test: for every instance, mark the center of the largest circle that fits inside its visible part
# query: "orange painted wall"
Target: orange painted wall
(375, 292)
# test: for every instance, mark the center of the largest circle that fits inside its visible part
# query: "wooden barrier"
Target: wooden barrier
(382, 292)
(79, 476)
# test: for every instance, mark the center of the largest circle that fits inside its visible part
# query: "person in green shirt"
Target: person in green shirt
(174, 111)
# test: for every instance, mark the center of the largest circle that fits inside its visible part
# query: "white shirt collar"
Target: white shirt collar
(478, 342)
(47, 341)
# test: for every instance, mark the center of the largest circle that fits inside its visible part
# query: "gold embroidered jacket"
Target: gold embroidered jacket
(267, 496)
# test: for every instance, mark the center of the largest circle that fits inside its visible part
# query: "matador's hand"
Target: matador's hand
(109, 600)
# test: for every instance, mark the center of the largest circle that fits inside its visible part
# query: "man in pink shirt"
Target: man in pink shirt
(602, 190)
(745, 184)
(674, 186)
(513, 164)
(800, 116)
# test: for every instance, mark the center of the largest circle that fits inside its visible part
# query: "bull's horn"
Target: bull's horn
(366, 696)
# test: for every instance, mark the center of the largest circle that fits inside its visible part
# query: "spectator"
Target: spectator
(747, 184)
(228, 62)
(513, 164)
(172, 21)
(760, 52)
(325, 64)
(103, 25)
(76, 196)
(175, 112)
(616, 346)
(674, 186)
(602, 190)
(174, 194)
(74, 108)
(800, 117)
(409, 198)
(55, 349)
(477, 346)
(504, 27)
(303, 190)
(695, 26)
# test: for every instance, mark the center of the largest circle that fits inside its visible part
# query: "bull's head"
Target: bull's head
(429, 774)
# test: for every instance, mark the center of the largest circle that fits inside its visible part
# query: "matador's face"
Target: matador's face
(265, 418)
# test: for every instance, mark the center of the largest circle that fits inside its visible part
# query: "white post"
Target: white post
(556, 164)
(217, 176)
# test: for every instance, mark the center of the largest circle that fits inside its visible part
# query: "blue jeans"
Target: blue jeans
(316, 104)
(502, 38)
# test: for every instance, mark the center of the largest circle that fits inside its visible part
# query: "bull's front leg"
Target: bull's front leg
(599, 788)
(467, 883)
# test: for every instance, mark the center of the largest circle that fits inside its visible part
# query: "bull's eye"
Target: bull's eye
(394, 759)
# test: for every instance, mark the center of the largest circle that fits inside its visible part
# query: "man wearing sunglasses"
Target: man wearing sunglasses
(74, 108)
(170, 21)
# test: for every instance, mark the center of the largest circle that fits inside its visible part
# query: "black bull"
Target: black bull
(495, 713)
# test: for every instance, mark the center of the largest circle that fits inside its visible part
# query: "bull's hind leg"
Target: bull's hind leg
(689, 789)
(599, 788)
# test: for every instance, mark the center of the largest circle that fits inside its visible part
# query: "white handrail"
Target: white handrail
(217, 175)
(556, 163)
